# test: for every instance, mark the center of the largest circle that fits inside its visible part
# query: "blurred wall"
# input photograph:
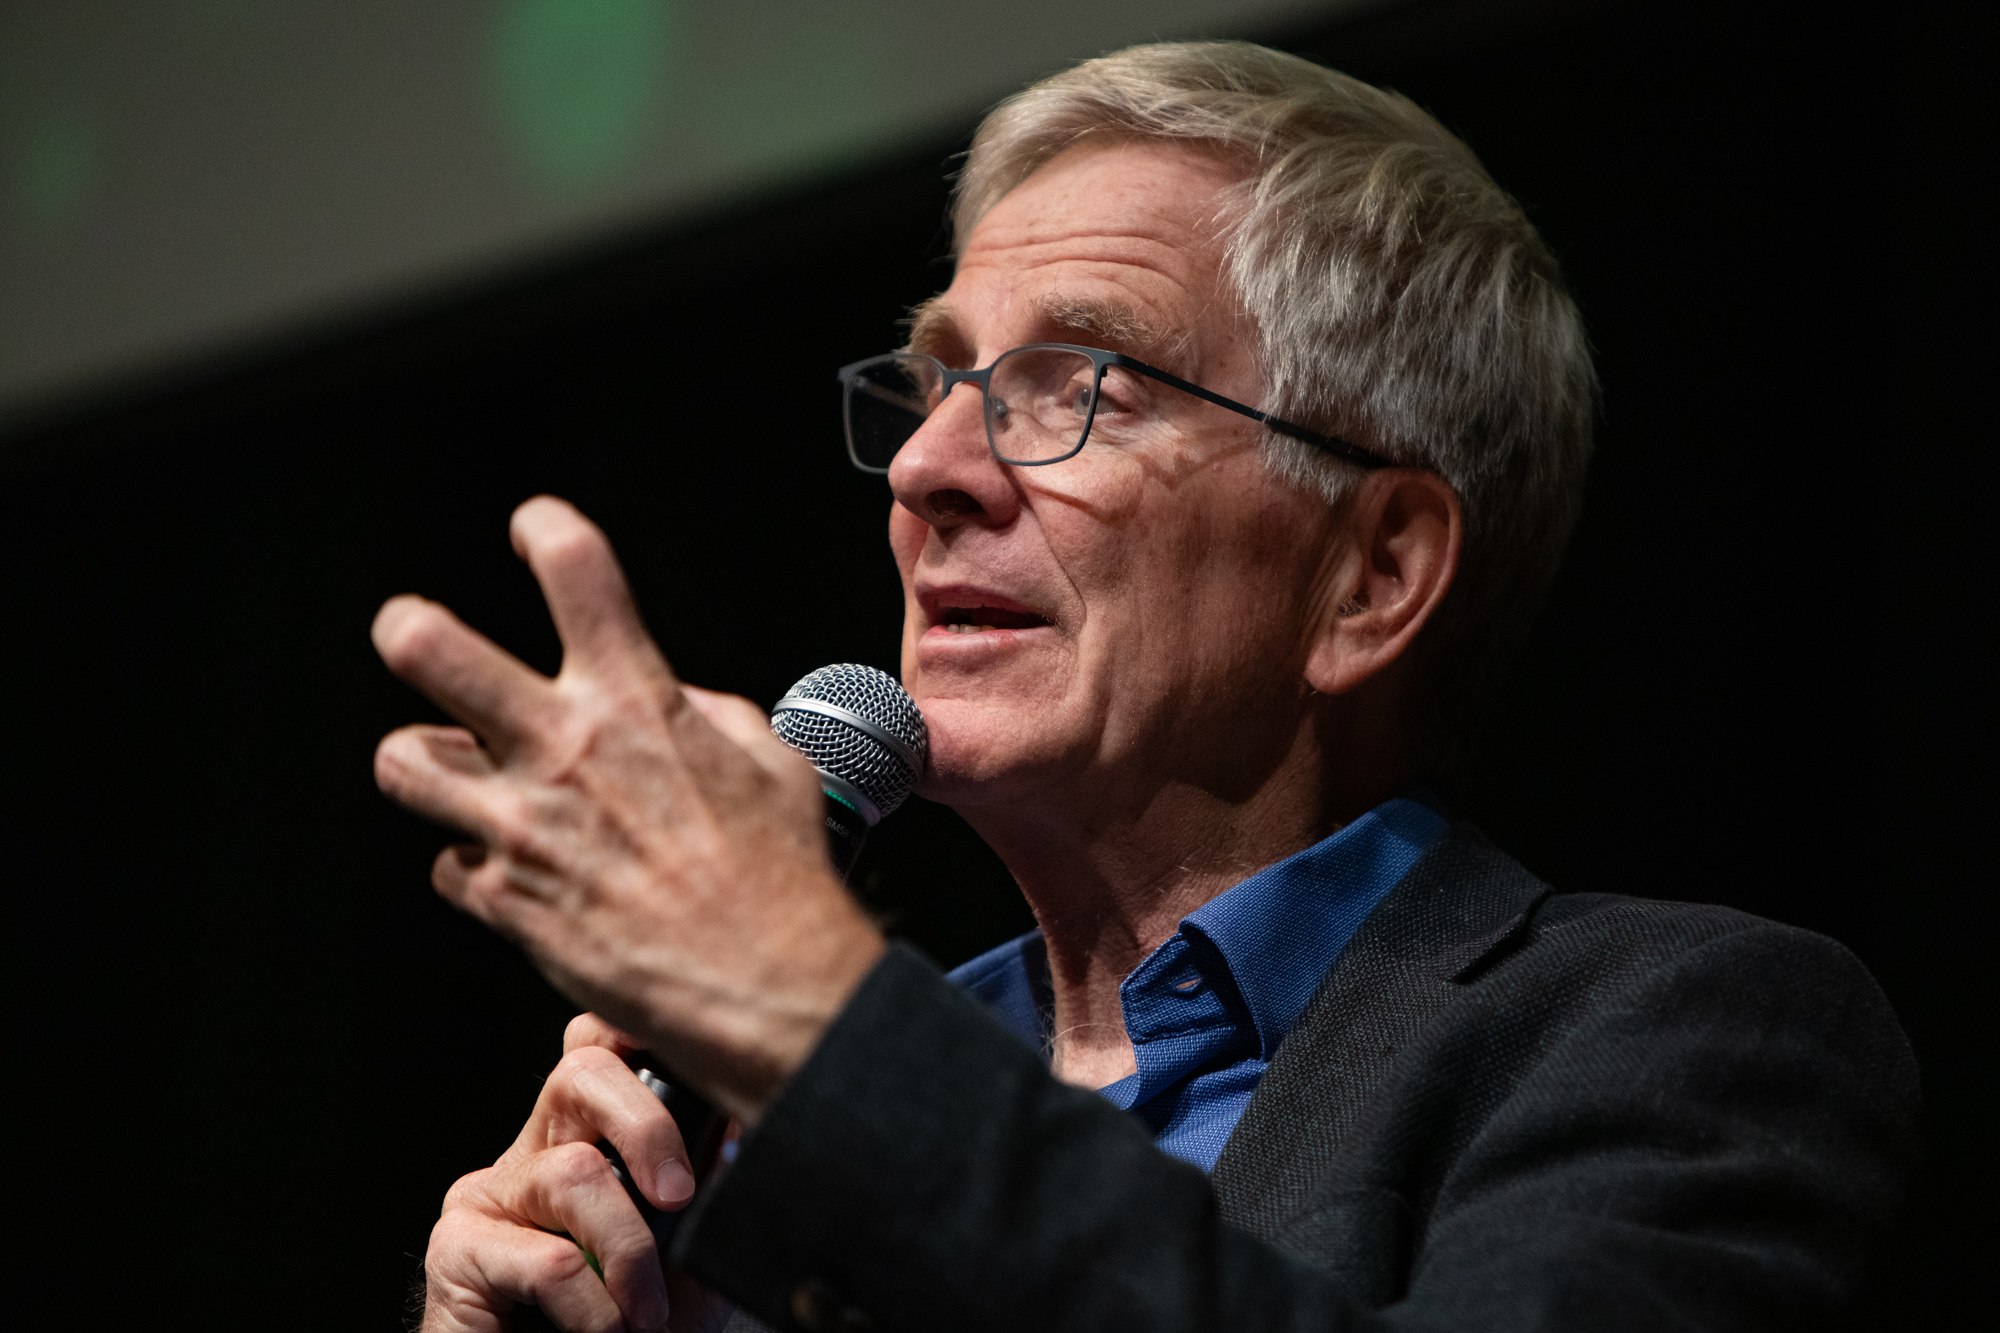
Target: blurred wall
(181, 182)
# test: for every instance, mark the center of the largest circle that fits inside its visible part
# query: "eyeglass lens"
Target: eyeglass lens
(1038, 404)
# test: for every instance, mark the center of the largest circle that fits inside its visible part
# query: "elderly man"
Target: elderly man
(1282, 422)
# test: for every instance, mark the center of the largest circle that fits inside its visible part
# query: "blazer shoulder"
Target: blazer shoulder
(1475, 967)
(1599, 930)
(1492, 885)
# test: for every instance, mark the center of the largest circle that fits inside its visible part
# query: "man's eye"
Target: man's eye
(1113, 395)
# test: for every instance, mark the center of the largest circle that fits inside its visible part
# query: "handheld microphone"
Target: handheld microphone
(865, 737)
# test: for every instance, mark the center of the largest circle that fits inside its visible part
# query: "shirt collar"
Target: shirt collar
(1278, 932)
(1254, 954)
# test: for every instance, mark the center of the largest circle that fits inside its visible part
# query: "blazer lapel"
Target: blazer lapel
(1462, 905)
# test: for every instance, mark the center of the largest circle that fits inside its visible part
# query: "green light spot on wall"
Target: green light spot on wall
(575, 80)
(57, 163)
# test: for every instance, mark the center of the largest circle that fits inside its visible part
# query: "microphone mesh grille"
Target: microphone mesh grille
(845, 750)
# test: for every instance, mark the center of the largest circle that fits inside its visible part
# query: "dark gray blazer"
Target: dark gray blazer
(1503, 1109)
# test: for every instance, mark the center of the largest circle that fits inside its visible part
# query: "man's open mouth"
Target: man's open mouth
(974, 619)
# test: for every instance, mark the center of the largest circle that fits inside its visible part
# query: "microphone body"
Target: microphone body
(846, 830)
(865, 737)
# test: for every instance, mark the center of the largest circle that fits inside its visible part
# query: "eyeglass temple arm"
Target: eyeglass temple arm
(1333, 444)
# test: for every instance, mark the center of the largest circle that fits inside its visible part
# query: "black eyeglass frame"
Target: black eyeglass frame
(949, 379)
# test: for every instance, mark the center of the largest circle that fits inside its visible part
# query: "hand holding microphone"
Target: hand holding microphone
(662, 857)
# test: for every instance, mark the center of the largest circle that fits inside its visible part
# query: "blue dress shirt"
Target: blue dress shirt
(1207, 1009)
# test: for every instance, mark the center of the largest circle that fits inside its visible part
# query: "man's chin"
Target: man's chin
(981, 749)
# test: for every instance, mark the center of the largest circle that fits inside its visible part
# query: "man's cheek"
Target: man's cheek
(906, 539)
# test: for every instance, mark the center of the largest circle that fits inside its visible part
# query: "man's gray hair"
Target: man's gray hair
(1401, 299)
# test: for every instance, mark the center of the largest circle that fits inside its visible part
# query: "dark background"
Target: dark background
(253, 1048)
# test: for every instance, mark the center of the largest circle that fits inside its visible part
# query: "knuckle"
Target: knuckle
(453, 1235)
(466, 1192)
(515, 830)
(629, 1251)
(754, 720)
(571, 1167)
(583, 1064)
(457, 1261)
(552, 1261)
(586, 734)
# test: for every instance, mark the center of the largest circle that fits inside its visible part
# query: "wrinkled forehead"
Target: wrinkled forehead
(1113, 245)
(1103, 153)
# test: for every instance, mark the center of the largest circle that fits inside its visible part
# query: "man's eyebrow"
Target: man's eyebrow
(934, 329)
(1109, 324)
(1093, 321)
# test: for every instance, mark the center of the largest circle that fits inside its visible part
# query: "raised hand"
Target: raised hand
(652, 846)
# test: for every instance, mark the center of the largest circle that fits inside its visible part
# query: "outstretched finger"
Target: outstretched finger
(463, 672)
(440, 773)
(587, 594)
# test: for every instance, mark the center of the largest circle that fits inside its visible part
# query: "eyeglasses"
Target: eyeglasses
(1040, 402)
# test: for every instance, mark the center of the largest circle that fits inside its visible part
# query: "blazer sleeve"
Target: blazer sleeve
(925, 1171)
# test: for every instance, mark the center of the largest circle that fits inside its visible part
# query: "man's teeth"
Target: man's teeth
(986, 619)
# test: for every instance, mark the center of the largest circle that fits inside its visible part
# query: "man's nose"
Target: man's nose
(946, 473)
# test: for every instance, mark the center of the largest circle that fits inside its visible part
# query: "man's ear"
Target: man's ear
(1401, 550)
